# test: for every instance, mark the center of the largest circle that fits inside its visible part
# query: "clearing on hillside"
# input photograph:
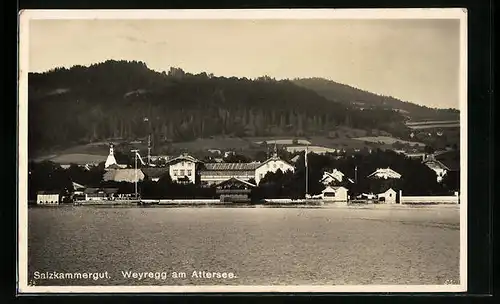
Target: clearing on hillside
(388, 140)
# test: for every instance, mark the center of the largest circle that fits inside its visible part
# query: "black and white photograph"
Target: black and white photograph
(297, 150)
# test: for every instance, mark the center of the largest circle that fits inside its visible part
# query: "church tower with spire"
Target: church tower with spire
(111, 157)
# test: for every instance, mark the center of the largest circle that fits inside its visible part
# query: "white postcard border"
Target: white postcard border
(435, 13)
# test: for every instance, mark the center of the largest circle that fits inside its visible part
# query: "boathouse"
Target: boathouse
(335, 194)
(389, 196)
(234, 190)
(48, 198)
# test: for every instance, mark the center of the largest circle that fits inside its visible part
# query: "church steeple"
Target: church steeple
(111, 157)
(275, 153)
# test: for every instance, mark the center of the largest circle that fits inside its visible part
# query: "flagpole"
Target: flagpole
(135, 158)
(355, 174)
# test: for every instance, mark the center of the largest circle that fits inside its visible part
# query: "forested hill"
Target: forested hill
(120, 99)
(362, 99)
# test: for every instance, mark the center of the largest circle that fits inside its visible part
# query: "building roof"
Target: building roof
(227, 172)
(155, 172)
(183, 157)
(158, 157)
(77, 186)
(390, 189)
(51, 192)
(333, 188)
(236, 180)
(123, 175)
(385, 173)
(415, 154)
(295, 158)
(332, 174)
(435, 164)
(208, 168)
(230, 166)
(116, 166)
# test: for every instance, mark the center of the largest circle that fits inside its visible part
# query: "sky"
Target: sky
(413, 60)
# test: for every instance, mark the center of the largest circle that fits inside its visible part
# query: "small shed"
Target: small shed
(388, 197)
(234, 190)
(335, 194)
(48, 198)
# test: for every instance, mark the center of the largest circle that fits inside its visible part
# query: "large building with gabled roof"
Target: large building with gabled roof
(442, 163)
(183, 168)
(272, 164)
(215, 173)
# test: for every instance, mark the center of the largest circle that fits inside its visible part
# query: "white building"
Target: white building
(273, 164)
(438, 167)
(385, 173)
(215, 173)
(183, 168)
(335, 194)
(47, 198)
(334, 177)
(389, 196)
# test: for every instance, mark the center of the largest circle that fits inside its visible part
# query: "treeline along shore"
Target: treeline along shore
(416, 179)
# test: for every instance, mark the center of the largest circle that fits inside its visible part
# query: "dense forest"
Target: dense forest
(348, 95)
(127, 100)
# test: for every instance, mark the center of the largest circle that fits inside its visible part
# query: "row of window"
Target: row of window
(274, 165)
(182, 172)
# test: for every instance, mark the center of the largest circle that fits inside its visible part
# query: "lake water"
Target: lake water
(260, 246)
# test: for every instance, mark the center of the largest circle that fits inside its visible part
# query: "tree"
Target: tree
(112, 98)
(451, 181)
(236, 158)
(429, 149)
(398, 145)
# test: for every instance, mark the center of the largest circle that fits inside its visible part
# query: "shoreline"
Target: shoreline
(298, 204)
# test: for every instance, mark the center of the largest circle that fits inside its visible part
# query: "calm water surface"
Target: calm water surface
(261, 246)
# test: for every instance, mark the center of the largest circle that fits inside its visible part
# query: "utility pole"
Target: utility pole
(135, 157)
(149, 150)
(355, 174)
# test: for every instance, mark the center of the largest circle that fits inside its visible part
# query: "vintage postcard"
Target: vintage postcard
(173, 151)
